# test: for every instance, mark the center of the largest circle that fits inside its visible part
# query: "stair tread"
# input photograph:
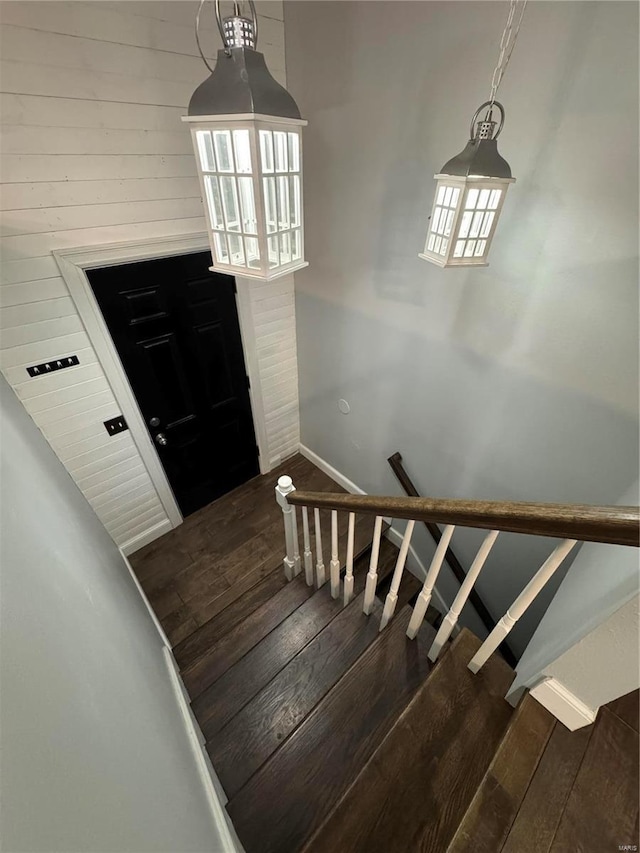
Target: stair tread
(270, 813)
(247, 741)
(226, 696)
(263, 551)
(417, 785)
(201, 640)
(485, 826)
(246, 634)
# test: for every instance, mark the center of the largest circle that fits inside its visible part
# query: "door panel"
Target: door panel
(175, 327)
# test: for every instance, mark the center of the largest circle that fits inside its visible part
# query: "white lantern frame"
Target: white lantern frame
(279, 240)
(239, 117)
(470, 193)
(460, 234)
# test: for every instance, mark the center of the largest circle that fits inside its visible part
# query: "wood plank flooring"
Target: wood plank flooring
(217, 555)
(328, 736)
(417, 785)
(321, 757)
(550, 790)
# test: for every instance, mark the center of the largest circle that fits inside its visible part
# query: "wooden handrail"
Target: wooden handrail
(395, 461)
(615, 525)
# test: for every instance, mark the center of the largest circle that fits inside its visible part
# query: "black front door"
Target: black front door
(175, 326)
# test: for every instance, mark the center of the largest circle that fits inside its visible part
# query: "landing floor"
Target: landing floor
(196, 570)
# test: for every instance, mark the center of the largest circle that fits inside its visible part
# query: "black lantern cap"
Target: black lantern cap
(480, 155)
(242, 83)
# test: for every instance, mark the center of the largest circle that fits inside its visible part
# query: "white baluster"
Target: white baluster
(320, 574)
(308, 556)
(334, 565)
(297, 564)
(421, 605)
(285, 487)
(348, 578)
(451, 619)
(392, 597)
(521, 603)
(372, 576)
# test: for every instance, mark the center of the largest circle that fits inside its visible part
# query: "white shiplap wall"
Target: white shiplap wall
(93, 151)
(271, 310)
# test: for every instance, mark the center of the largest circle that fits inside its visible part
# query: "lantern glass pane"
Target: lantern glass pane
(483, 199)
(242, 149)
(266, 151)
(472, 198)
(486, 224)
(283, 202)
(270, 204)
(443, 246)
(480, 247)
(465, 224)
(272, 248)
(455, 195)
(449, 222)
(280, 145)
(494, 199)
(220, 243)
(294, 199)
(205, 149)
(222, 145)
(430, 242)
(459, 249)
(475, 225)
(230, 202)
(440, 197)
(248, 206)
(253, 252)
(285, 248)
(236, 250)
(294, 152)
(469, 248)
(214, 201)
(296, 247)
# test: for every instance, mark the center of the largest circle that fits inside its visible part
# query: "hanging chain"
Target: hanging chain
(507, 43)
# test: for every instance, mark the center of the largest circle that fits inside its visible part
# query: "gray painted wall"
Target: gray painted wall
(518, 381)
(95, 756)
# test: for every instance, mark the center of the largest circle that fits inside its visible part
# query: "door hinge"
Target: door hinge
(257, 450)
(248, 380)
(235, 286)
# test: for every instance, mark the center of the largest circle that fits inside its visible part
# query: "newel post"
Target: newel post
(291, 560)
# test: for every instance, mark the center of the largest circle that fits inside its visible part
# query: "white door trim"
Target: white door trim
(73, 264)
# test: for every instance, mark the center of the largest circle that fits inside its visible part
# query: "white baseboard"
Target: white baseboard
(214, 791)
(330, 471)
(156, 622)
(150, 535)
(563, 704)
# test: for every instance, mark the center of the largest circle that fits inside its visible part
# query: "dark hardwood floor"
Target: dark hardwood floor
(550, 790)
(329, 735)
(221, 555)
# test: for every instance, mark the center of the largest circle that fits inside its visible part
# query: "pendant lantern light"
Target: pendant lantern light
(471, 187)
(246, 133)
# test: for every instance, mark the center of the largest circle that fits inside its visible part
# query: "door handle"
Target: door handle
(161, 439)
(154, 422)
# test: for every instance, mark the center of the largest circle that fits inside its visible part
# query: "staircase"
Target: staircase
(312, 715)
(331, 730)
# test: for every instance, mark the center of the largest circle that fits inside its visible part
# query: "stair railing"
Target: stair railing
(572, 523)
(395, 461)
